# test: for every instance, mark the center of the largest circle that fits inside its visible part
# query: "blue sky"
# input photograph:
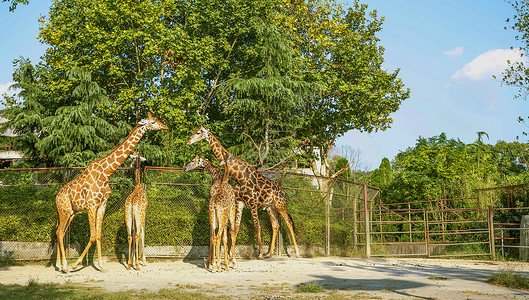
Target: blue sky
(447, 51)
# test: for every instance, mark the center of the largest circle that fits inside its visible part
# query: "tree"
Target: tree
(266, 108)
(382, 176)
(338, 50)
(275, 74)
(72, 135)
(14, 3)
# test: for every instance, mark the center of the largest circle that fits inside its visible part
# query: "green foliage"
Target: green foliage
(265, 76)
(441, 168)
(14, 3)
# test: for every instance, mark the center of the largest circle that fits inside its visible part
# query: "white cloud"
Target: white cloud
(458, 51)
(493, 62)
(4, 88)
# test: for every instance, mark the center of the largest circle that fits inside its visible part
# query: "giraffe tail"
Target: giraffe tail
(292, 221)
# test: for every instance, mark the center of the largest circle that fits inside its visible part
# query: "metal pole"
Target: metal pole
(502, 250)
(368, 229)
(491, 233)
(328, 222)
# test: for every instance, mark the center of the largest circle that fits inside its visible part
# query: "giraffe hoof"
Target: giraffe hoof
(128, 267)
(64, 270)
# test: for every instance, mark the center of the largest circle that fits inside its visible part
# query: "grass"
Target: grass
(35, 290)
(510, 279)
(437, 278)
(310, 288)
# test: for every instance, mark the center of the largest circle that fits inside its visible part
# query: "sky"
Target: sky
(446, 50)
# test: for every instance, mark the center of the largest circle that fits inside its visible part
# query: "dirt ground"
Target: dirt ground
(278, 277)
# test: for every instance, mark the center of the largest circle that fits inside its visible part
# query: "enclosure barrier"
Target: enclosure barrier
(177, 223)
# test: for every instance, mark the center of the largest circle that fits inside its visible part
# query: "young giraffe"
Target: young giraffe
(254, 190)
(90, 191)
(221, 211)
(135, 209)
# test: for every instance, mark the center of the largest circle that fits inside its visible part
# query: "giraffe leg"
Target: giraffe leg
(137, 235)
(224, 235)
(64, 221)
(212, 227)
(99, 223)
(211, 245)
(285, 217)
(92, 221)
(142, 240)
(275, 229)
(255, 218)
(128, 223)
(233, 232)
(136, 248)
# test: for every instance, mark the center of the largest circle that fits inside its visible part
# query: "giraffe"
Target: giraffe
(254, 190)
(221, 212)
(90, 191)
(135, 209)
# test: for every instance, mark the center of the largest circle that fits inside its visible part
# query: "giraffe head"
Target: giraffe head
(136, 158)
(201, 133)
(152, 123)
(195, 163)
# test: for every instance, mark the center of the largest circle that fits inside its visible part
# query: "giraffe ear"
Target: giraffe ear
(149, 115)
(142, 158)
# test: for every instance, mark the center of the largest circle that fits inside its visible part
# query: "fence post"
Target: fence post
(368, 225)
(491, 233)
(328, 219)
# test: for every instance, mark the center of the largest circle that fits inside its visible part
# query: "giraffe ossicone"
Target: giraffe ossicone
(90, 190)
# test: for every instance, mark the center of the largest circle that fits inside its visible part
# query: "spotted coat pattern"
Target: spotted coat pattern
(253, 190)
(221, 212)
(135, 210)
(90, 191)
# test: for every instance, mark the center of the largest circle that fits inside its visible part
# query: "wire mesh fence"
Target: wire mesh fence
(328, 214)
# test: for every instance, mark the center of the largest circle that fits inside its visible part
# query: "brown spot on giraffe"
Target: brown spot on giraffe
(254, 190)
(222, 211)
(135, 210)
(90, 191)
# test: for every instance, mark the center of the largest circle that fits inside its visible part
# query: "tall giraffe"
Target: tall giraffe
(254, 190)
(221, 212)
(135, 210)
(90, 191)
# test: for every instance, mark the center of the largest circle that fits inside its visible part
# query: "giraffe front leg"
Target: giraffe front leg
(92, 222)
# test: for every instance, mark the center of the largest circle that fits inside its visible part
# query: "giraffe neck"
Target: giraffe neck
(241, 171)
(213, 171)
(218, 150)
(113, 160)
(137, 171)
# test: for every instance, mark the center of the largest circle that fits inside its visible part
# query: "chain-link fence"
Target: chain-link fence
(328, 215)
